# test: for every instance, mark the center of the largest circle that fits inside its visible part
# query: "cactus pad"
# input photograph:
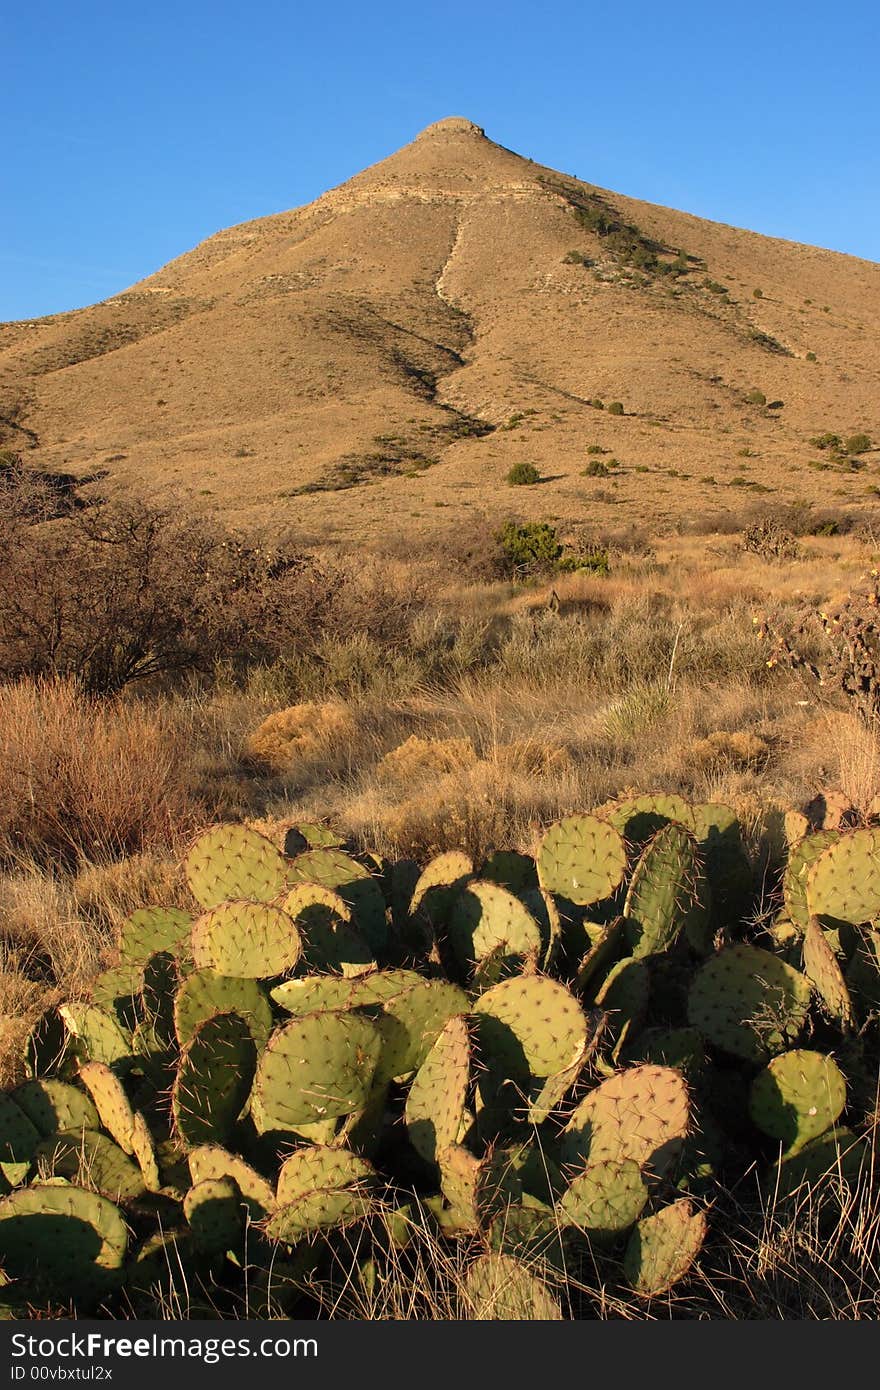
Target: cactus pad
(664, 891)
(55, 1107)
(324, 1209)
(410, 1022)
(331, 868)
(153, 929)
(213, 1080)
(204, 993)
(64, 1239)
(604, 1199)
(582, 859)
(330, 941)
(96, 1034)
(320, 1168)
(663, 1247)
(498, 1288)
(210, 1161)
(530, 1027)
(213, 1209)
(234, 862)
(844, 882)
(641, 1114)
(247, 940)
(91, 1160)
(436, 1100)
(438, 884)
(801, 858)
(749, 1003)
(797, 1097)
(822, 968)
(485, 917)
(111, 1102)
(317, 1067)
(640, 817)
(515, 872)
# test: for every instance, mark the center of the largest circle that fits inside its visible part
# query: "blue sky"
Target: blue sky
(133, 131)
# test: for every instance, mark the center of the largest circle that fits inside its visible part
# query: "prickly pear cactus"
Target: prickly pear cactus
(797, 1097)
(582, 859)
(663, 1247)
(748, 1003)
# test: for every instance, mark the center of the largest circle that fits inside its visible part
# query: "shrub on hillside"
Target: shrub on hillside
(522, 474)
(530, 548)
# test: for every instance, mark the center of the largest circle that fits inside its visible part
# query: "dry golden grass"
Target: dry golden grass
(79, 778)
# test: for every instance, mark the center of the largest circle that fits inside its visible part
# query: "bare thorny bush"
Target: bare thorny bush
(838, 647)
(118, 591)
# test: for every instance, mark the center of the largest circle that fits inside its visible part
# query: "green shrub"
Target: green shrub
(595, 469)
(595, 559)
(527, 548)
(758, 294)
(596, 449)
(756, 397)
(596, 403)
(857, 444)
(827, 441)
(522, 474)
(811, 357)
(615, 408)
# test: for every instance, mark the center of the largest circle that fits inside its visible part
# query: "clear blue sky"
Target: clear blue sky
(131, 131)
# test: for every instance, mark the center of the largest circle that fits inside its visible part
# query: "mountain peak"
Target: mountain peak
(451, 125)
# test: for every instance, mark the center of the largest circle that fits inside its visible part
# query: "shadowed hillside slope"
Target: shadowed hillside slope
(396, 346)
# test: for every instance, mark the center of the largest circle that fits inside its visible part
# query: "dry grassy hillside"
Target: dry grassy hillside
(396, 346)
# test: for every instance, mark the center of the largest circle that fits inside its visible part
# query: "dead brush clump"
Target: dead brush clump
(303, 733)
(420, 760)
(86, 780)
(739, 750)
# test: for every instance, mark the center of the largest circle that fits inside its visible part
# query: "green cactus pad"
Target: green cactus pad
(797, 1097)
(863, 970)
(111, 1102)
(314, 993)
(640, 1114)
(664, 892)
(234, 862)
(118, 992)
(93, 1161)
(530, 1027)
(326, 1209)
(19, 1137)
(204, 993)
(211, 1162)
(663, 1247)
(46, 1045)
(640, 817)
(545, 912)
(144, 1151)
(801, 858)
(530, 1233)
(317, 1169)
(316, 837)
(96, 1035)
(317, 1067)
(410, 1022)
(582, 859)
(835, 1157)
(213, 1209)
(843, 884)
(331, 868)
(603, 950)
(163, 1268)
(516, 872)
(439, 883)
(155, 1033)
(63, 1239)
(247, 940)
(604, 1199)
(485, 917)
(153, 929)
(727, 867)
(213, 1080)
(822, 968)
(462, 1178)
(55, 1107)
(330, 941)
(749, 1003)
(498, 1288)
(625, 993)
(436, 1101)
